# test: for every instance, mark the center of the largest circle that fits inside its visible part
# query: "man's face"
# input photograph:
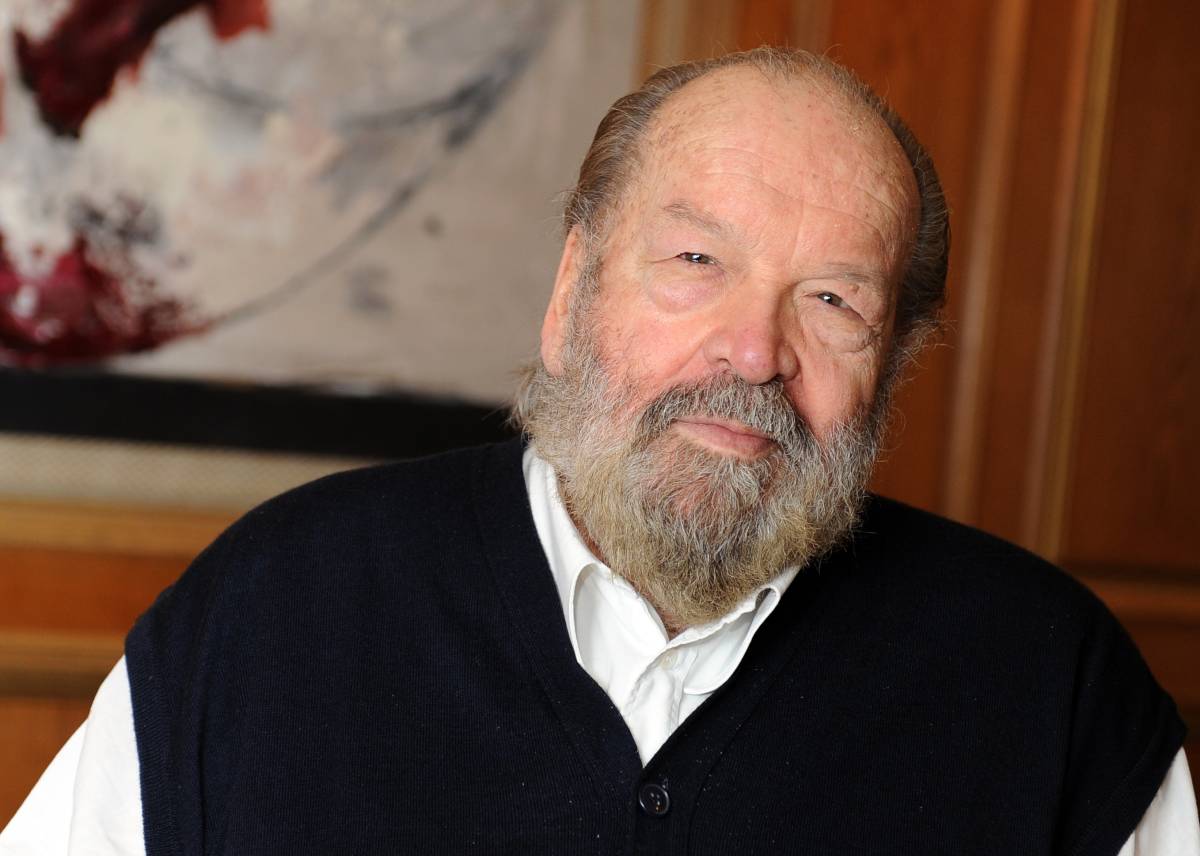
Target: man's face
(764, 235)
(711, 411)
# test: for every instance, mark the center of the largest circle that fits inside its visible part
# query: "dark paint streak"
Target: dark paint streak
(74, 68)
(81, 312)
(390, 423)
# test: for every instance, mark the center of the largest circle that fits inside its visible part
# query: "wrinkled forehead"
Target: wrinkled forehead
(803, 137)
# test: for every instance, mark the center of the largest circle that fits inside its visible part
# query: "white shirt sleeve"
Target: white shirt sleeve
(1169, 827)
(89, 800)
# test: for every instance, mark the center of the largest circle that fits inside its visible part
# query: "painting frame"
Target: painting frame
(280, 419)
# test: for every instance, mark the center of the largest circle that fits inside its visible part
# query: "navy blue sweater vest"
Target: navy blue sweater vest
(377, 663)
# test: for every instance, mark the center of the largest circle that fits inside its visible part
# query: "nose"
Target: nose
(749, 338)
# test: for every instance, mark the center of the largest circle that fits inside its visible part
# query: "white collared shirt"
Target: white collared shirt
(654, 681)
(88, 801)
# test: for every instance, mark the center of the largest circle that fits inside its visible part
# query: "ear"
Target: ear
(554, 326)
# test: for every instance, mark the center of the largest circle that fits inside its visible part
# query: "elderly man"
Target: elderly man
(675, 622)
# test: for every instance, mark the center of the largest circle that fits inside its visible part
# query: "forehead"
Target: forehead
(764, 149)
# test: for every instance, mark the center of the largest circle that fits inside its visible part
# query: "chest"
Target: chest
(492, 764)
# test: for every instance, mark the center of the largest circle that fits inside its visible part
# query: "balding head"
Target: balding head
(618, 149)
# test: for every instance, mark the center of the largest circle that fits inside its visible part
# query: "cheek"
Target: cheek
(652, 347)
(833, 389)
(841, 356)
(638, 355)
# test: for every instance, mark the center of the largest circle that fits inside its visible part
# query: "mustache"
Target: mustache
(764, 408)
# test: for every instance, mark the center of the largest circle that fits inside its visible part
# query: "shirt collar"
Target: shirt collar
(565, 550)
(569, 557)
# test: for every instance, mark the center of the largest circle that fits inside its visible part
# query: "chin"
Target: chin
(706, 490)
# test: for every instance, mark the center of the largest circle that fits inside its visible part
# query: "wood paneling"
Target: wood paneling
(1055, 425)
(983, 258)
(79, 591)
(1135, 471)
(62, 665)
(678, 30)
(34, 730)
(145, 531)
(1029, 277)
(795, 23)
(72, 581)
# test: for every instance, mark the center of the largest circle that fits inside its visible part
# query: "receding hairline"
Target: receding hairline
(836, 86)
(851, 110)
(839, 90)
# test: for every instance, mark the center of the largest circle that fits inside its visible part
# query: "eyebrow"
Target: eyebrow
(687, 213)
(855, 274)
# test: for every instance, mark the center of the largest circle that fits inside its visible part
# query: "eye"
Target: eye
(697, 258)
(832, 299)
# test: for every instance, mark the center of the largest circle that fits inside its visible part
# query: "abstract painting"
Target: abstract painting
(354, 197)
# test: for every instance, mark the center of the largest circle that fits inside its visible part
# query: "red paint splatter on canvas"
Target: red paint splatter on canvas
(80, 311)
(74, 68)
(230, 18)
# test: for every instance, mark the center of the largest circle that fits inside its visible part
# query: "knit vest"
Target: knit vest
(377, 663)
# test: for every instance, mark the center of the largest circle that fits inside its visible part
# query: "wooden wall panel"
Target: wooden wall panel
(34, 730)
(678, 30)
(130, 530)
(1034, 238)
(675, 31)
(1132, 490)
(72, 581)
(77, 591)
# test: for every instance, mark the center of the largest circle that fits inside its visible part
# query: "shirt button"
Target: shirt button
(654, 799)
(669, 659)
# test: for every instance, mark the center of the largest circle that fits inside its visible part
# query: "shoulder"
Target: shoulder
(366, 527)
(408, 497)
(990, 620)
(966, 567)
(433, 479)
(954, 591)
(932, 536)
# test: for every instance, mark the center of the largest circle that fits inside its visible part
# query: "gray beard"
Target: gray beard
(692, 530)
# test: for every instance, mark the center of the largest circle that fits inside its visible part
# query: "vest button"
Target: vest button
(654, 799)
